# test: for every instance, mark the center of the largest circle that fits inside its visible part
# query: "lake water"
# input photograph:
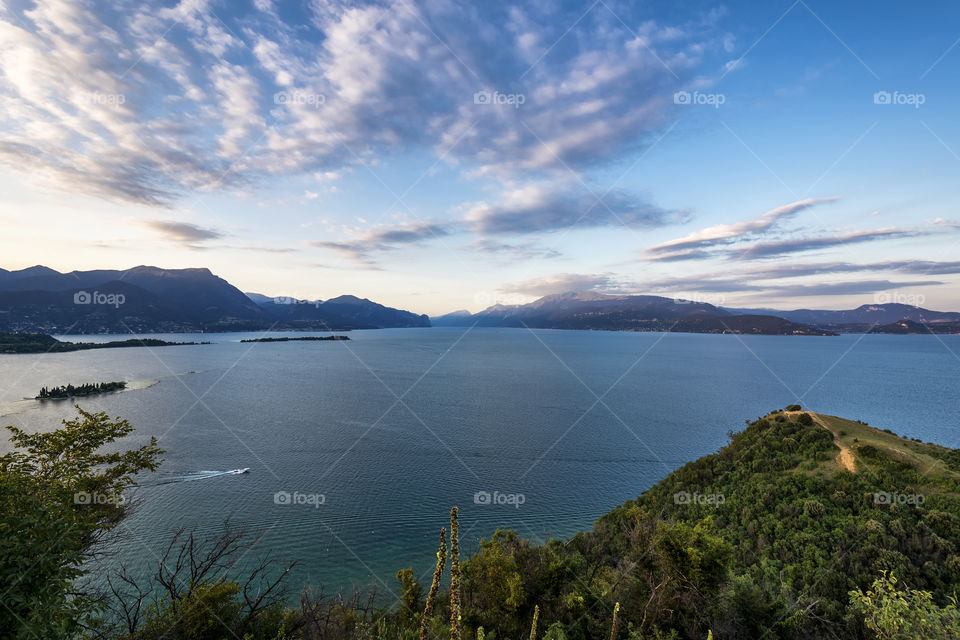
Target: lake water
(395, 426)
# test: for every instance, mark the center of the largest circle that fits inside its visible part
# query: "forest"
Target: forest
(85, 389)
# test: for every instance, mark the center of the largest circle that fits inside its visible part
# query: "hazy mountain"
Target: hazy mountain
(866, 314)
(459, 318)
(591, 310)
(344, 312)
(151, 299)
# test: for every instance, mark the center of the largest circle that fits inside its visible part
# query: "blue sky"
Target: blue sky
(439, 155)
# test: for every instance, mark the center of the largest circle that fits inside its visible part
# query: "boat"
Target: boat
(244, 470)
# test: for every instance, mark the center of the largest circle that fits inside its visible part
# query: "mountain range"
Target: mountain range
(150, 299)
(592, 310)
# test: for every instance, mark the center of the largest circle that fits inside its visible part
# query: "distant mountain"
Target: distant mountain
(868, 314)
(459, 318)
(150, 299)
(908, 327)
(344, 312)
(591, 310)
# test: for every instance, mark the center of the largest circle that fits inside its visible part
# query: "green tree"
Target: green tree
(895, 613)
(59, 492)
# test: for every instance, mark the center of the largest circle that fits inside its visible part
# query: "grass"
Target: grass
(925, 458)
(922, 457)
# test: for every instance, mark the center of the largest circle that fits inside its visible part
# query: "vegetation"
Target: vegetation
(893, 613)
(768, 538)
(59, 495)
(85, 389)
(42, 343)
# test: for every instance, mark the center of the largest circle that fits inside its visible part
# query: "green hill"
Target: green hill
(804, 526)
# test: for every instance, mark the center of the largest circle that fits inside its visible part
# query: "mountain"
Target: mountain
(765, 538)
(148, 299)
(597, 311)
(341, 313)
(459, 318)
(911, 327)
(867, 314)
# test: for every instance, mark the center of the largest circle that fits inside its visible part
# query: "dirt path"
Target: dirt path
(845, 458)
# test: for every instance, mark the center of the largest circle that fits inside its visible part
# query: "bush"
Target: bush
(804, 419)
(793, 407)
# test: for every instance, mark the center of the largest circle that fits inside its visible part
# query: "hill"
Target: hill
(805, 526)
(596, 311)
(343, 312)
(864, 315)
(42, 343)
(148, 299)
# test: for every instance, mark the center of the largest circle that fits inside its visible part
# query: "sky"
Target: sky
(441, 155)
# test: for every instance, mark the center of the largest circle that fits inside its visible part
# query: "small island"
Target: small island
(302, 338)
(86, 389)
(43, 343)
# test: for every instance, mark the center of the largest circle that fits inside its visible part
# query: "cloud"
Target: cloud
(182, 232)
(688, 247)
(755, 278)
(536, 208)
(917, 267)
(515, 250)
(144, 104)
(798, 245)
(362, 246)
(540, 208)
(857, 287)
(562, 283)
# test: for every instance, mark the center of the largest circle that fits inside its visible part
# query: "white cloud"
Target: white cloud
(198, 89)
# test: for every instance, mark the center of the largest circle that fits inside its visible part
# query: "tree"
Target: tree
(894, 613)
(59, 494)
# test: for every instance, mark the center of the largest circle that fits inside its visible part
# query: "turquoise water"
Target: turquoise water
(395, 426)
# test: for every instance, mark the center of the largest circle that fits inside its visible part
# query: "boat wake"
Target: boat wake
(198, 475)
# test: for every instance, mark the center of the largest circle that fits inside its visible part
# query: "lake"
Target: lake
(358, 449)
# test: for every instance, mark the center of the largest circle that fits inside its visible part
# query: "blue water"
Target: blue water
(395, 426)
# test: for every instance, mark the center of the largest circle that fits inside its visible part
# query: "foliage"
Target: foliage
(86, 389)
(767, 538)
(894, 613)
(59, 493)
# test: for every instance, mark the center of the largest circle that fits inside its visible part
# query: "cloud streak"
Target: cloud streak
(693, 245)
(145, 104)
(183, 233)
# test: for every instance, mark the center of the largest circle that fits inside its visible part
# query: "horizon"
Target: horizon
(495, 303)
(435, 160)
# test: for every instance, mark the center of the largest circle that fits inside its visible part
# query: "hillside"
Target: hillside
(148, 299)
(777, 535)
(595, 311)
(866, 317)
